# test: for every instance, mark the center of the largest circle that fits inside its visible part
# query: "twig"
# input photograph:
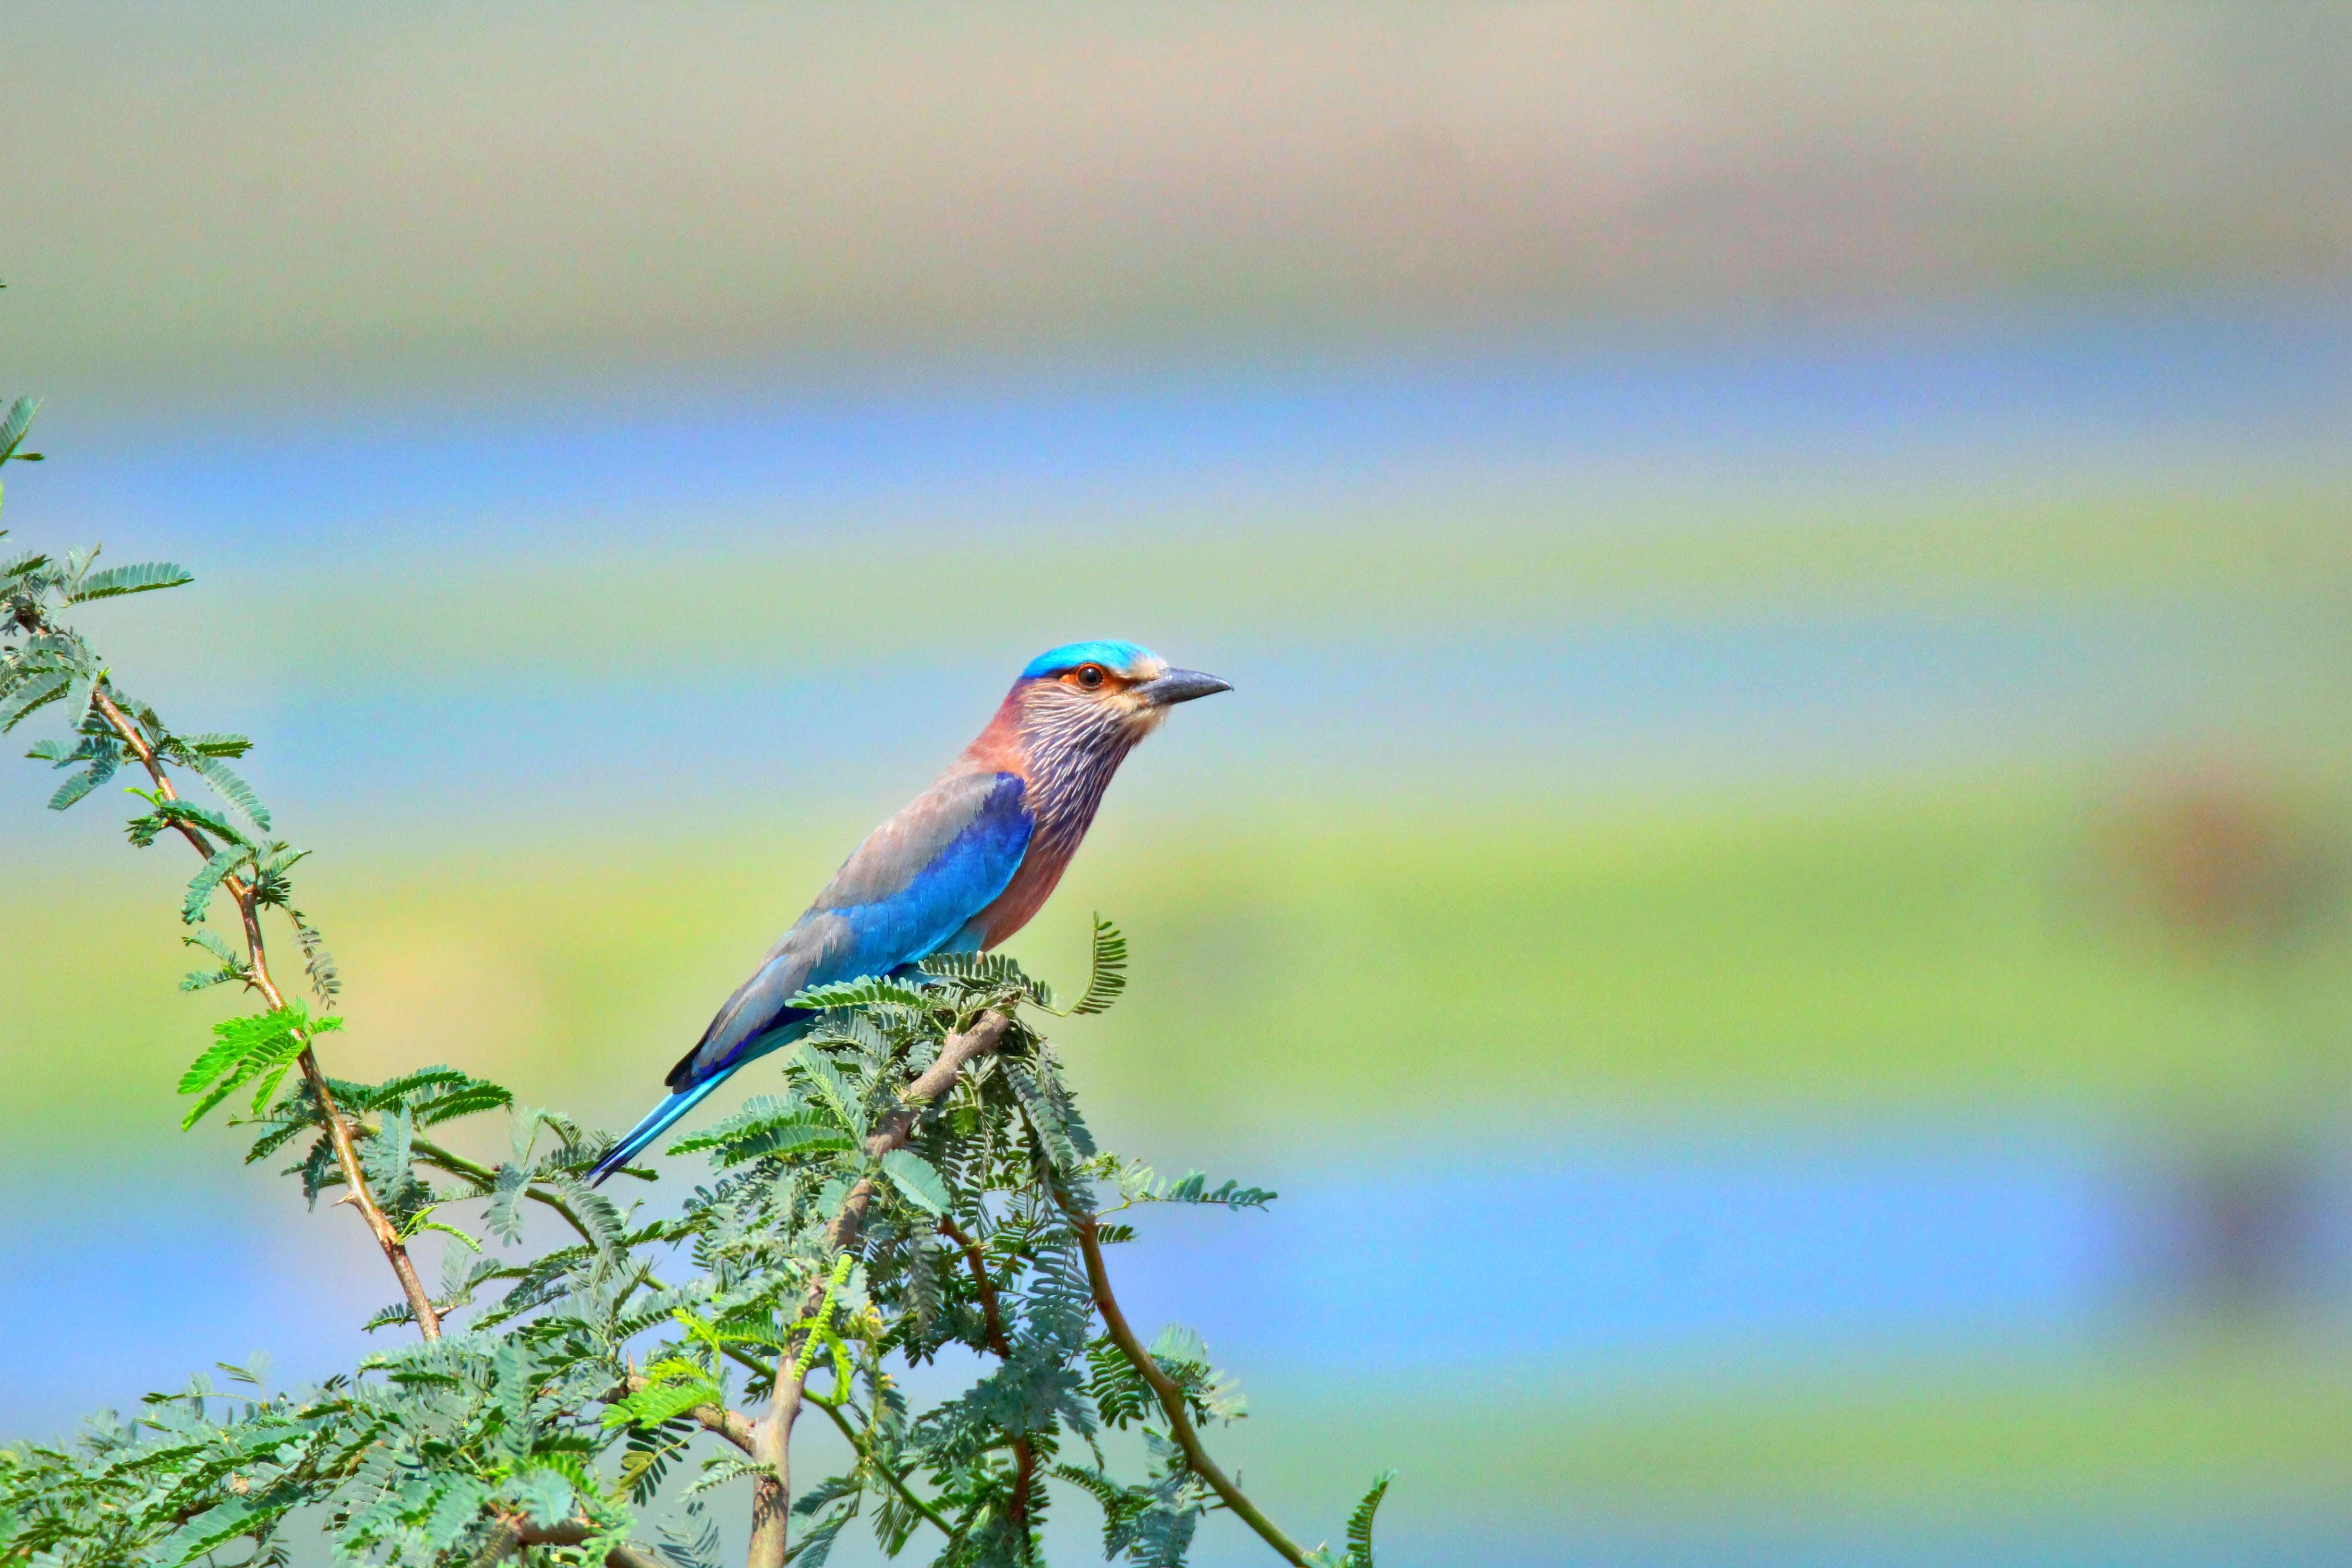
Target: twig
(482, 1176)
(738, 1428)
(513, 1533)
(991, 1317)
(1024, 1458)
(771, 1493)
(1172, 1397)
(339, 1130)
(833, 1408)
(731, 1425)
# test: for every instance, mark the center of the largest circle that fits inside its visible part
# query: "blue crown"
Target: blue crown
(1119, 656)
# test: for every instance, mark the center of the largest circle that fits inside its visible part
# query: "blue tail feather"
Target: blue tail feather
(659, 1120)
(656, 1121)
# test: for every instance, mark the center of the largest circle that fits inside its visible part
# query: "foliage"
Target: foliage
(587, 1365)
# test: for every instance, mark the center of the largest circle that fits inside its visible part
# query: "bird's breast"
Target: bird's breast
(1064, 760)
(1032, 885)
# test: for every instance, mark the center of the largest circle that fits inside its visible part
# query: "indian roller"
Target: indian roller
(962, 868)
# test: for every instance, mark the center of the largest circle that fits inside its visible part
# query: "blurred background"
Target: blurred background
(1772, 896)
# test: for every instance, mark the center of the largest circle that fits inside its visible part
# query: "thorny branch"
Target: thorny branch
(1024, 1457)
(833, 1408)
(1172, 1397)
(484, 1180)
(339, 1128)
(513, 1534)
(771, 1493)
(731, 1425)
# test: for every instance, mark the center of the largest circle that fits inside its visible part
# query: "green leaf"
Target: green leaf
(661, 1401)
(543, 1492)
(211, 821)
(233, 789)
(504, 1217)
(213, 1529)
(768, 1138)
(1192, 1188)
(989, 970)
(387, 1157)
(230, 967)
(832, 1086)
(214, 945)
(78, 693)
(1360, 1523)
(20, 421)
(918, 1179)
(206, 881)
(863, 993)
(81, 783)
(466, 1099)
(246, 1048)
(213, 1097)
(232, 1039)
(1178, 1345)
(1053, 1131)
(454, 1511)
(33, 695)
(53, 649)
(142, 578)
(1108, 977)
(1119, 1391)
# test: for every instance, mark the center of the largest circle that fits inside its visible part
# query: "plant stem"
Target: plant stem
(514, 1533)
(771, 1493)
(898, 1483)
(1172, 1397)
(482, 1176)
(731, 1425)
(1024, 1457)
(339, 1130)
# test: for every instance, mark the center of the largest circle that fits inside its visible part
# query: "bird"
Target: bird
(961, 868)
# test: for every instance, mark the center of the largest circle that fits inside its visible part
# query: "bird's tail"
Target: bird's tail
(656, 1121)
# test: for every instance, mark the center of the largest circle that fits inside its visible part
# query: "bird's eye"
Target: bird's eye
(1090, 676)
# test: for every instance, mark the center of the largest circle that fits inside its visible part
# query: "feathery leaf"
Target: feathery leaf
(233, 789)
(144, 577)
(224, 863)
(32, 696)
(1107, 977)
(18, 421)
(861, 993)
(72, 791)
(918, 1180)
(1360, 1523)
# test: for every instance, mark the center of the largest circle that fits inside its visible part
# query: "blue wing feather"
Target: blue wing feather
(906, 892)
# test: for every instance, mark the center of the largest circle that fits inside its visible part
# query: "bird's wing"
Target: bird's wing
(908, 889)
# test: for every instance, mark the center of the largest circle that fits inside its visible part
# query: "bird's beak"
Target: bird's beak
(1175, 686)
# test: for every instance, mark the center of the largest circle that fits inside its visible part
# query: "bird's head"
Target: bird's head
(1113, 686)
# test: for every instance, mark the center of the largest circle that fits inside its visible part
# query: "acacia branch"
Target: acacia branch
(991, 1317)
(1024, 1458)
(771, 1493)
(1172, 1397)
(431, 1153)
(513, 1534)
(731, 1425)
(339, 1130)
(864, 1451)
(740, 1430)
